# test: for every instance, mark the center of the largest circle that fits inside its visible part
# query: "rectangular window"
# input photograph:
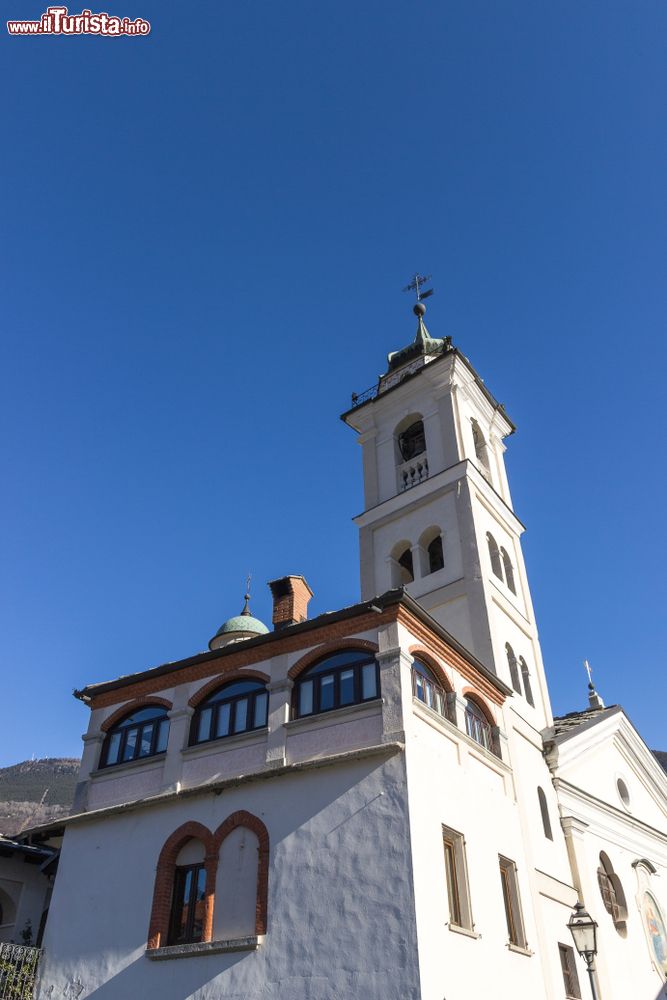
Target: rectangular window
(326, 692)
(130, 744)
(204, 732)
(114, 747)
(240, 715)
(187, 916)
(162, 736)
(368, 681)
(456, 874)
(510, 885)
(306, 698)
(261, 705)
(222, 723)
(570, 977)
(347, 687)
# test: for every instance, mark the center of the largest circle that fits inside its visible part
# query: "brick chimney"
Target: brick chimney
(291, 595)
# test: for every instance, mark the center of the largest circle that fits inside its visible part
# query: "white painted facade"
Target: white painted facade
(354, 800)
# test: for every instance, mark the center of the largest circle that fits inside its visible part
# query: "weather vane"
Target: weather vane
(416, 286)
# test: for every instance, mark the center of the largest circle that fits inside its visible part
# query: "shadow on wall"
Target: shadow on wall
(180, 979)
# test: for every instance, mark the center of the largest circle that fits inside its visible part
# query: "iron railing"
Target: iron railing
(18, 971)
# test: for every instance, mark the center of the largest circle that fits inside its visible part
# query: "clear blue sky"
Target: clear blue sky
(204, 238)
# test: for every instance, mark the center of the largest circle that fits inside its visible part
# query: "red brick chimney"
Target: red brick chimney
(291, 595)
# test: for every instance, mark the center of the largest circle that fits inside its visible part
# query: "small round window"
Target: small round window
(623, 792)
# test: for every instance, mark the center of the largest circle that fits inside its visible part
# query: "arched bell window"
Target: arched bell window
(509, 571)
(494, 555)
(237, 707)
(412, 441)
(347, 677)
(436, 556)
(514, 668)
(402, 565)
(481, 450)
(544, 812)
(527, 689)
(141, 734)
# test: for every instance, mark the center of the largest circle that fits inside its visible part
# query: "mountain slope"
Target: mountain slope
(36, 791)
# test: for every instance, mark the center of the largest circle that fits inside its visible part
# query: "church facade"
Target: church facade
(375, 802)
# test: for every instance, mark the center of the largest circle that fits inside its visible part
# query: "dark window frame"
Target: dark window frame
(214, 702)
(510, 886)
(569, 969)
(126, 726)
(314, 674)
(178, 903)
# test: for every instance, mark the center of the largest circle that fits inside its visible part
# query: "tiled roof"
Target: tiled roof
(565, 725)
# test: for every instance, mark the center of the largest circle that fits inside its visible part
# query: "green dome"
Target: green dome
(243, 623)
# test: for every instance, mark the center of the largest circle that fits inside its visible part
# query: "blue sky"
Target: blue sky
(205, 234)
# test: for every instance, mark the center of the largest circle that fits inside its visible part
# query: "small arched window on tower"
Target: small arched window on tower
(436, 556)
(527, 689)
(544, 811)
(481, 450)
(412, 441)
(402, 565)
(514, 668)
(509, 571)
(494, 555)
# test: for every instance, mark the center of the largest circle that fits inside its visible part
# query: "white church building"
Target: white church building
(376, 803)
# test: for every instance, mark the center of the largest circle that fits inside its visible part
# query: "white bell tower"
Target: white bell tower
(438, 515)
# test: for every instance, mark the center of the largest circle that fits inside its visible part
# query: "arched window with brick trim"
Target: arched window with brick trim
(211, 887)
(143, 733)
(480, 726)
(236, 707)
(342, 678)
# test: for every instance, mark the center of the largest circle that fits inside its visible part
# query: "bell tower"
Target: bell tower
(438, 515)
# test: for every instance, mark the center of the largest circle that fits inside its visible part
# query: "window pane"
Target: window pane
(130, 744)
(306, 698)
(222, 725)
(420, 687)
(346, 687)
(146, 740)
(240, 715)
(368, 681)
(326, 692)
(204, 731)
(199, 903)
(113, 747)
(183, 899)
(162, 736)
(261, 705)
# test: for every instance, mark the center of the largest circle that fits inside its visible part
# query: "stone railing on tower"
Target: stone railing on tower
(412, 472)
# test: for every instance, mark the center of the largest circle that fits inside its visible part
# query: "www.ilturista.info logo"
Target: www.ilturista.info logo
(57, 21)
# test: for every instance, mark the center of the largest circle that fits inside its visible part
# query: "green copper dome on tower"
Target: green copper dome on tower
(243, 626)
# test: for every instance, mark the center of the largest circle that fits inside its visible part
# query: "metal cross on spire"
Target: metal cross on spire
(416, 286)
(587, 667)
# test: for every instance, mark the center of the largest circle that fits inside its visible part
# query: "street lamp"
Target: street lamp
(584, 934)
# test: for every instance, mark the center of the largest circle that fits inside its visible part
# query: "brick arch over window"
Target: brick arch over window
(133, 706)
(255, 825)
(430, 661)
(164, 881)
(326, 648)
(469, 692)
(220, 679)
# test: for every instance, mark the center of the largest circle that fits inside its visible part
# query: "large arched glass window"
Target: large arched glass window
(494, 555)
(477, 725)
(344, 678)
(237, 707)
(142, 734)
(426, 688)
(514, 668)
